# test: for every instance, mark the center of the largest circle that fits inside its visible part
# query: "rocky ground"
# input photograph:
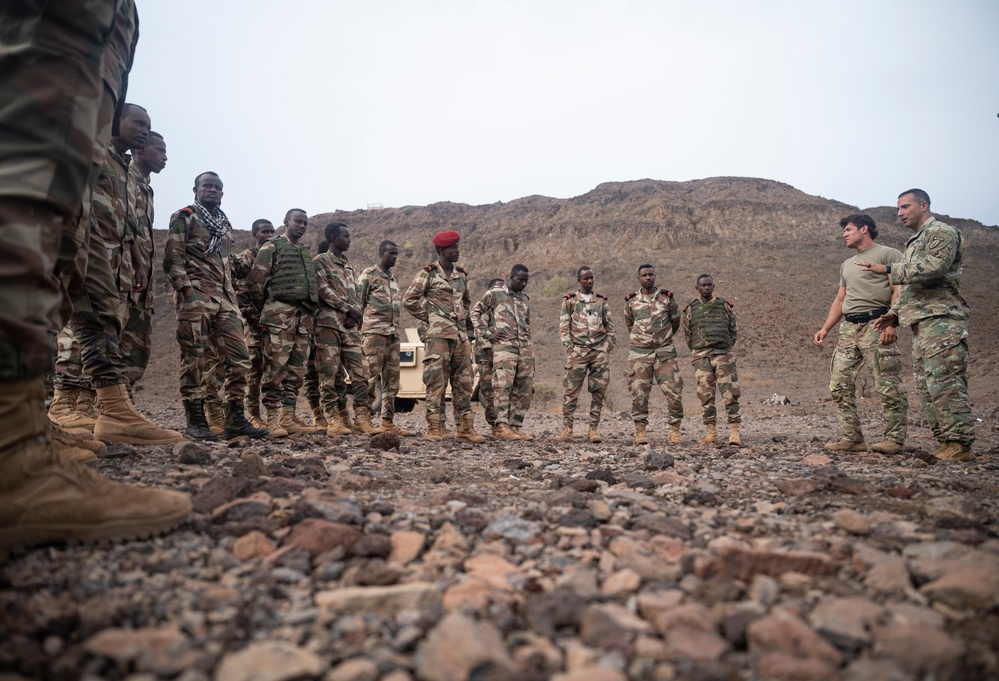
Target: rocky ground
(320, 558)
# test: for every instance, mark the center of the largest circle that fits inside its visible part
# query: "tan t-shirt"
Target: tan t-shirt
(866, 291)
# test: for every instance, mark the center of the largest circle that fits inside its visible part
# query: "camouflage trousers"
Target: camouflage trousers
(487, 393)
(858, 345)
(136, 337)
(382, 355)
(202, 322)
(447, 359)
(69, 374)
(312, 392)
(255, 347)
(55, 114)
(72, 370)
(717, 371)
(285, 337)
(940, 370)
(589, 365)
(646, 370)
(337, 349)
(512, 383)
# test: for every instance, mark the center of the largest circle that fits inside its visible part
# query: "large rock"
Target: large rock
(461, 649)
(777, 666)
(739, 563)
(161, 650)
(924, 651)
(406, 547)
(269, 661)
(846, 621)
(317, 536)
(968, 586)
(379, 600)
(610, 625)
(783, 632)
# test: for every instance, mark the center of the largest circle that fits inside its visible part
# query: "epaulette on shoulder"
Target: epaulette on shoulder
(186, 212)
(430, 268)
(460, 269)
(668, 294)
(570, 296)
(729, 305)
(600, 296)
(630, 296)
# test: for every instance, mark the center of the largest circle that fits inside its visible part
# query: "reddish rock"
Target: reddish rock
(782, 632)
(255, 544)
(319, 536)
(924, 651)
(739, 563)
(775, 666)
(457, 646)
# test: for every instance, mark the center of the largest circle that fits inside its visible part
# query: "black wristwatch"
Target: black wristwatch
(888, 268)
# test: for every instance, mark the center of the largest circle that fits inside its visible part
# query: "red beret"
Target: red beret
(445, 239)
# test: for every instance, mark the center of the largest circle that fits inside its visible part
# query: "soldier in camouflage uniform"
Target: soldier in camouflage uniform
(55, 106)
(284, 286)
(196, 261)
(931, 303)
(502, 321)
(652, 317)
(261, 230)
(381, 330)
(484, 358)
(587, 333)
(863, 297)
(710, 329)
(439, 296)
(338, 338)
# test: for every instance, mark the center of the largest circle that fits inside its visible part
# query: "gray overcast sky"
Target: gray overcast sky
(337, 105)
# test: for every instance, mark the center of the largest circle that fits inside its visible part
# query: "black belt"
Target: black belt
(865, 317)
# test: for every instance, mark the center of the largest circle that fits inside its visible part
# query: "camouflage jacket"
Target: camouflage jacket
(650, 323)
(440, 301)
(380, 301)
(929, 275)
(140, 221)
(505, 313)
(241, 264)
(270, 266)
(110, 206)
(337, 290)
(709, 328)
(586, 323)
(186, 264)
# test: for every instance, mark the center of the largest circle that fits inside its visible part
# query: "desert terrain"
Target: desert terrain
(331, 558)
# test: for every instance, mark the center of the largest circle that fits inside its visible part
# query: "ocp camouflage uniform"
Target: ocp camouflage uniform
(930, 301)
(136, 337)
(206, 305)
(652, 354)
(868, 295)
(587, 333)
(284, 277)
(487, 395)
(507, 313)
(443, 302)
(381, 333)
(337, 345)
(250, 309)
(711, 332)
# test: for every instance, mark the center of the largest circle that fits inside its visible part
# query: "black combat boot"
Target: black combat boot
(236, 423)
(197, 426)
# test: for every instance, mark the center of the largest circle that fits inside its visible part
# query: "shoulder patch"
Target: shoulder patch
(729, 305)
(570, 296)
(430, 268)
(600, 296)
(666, 293)
(460, 269)
(630, 296)
(186, 211)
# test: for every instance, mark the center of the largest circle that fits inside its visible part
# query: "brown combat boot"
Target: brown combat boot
(733, 435)
(346, 421)
(319, 418)
(362, 421)
(45, 496)
(71, 446)
(86, 403)
(711, 437)
(846, 445)
(433, 428)
(253, 415)
(521, 434)
(566, 434)
(215, 416)
(505, 432)
(335, 425)
(675, 438)
(59, 436)
(120, 421)
(494, 431)
(593, 435)
(64, 412)
(954, 451)
(290, 422)
(887, 447)
(388, 426)
(640, 438)
(274, 428)
(466, 429)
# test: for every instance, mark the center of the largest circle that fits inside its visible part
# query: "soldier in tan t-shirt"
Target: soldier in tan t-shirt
(862, 298)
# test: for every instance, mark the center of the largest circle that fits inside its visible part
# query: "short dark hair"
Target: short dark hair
(702, 276)
(295, 210)
(920, 195)
(859, 220)
(385, 245)
(333, 230)
(126, 108)
(496, 281)
(255, 227)
(582, 268)
(153, 133)
(646, 265)
(518, 268)
(207, 172)
(323, 247)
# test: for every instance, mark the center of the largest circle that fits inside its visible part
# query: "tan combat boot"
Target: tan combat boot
(505, 432)
(215, 416)
(319, 418)
(566, 434)
(640, 438)
(45, 496)
(58, 436)
(521, 434)
(120, 421)
(674, 434)
(954, 451)
(494, 431)
(273, 424)
(336, 425)
(64, 412)
(362, 421)
(466, 429)
(887, 447)
(846, 445)
(593, 435)
(346, 421)
(733, 435)
(290, 422)
(388, 426)
(711, 438)
(86, 403)
(253, 415)
(433, 428)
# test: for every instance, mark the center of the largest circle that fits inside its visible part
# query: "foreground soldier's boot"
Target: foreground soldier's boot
(236, 423)
(318, 418)
(494, 431)
(503, 431)
(214, 416)
(253, 415)
(733, 435)
(566, 434)
(45, 496)
(120, 421)
(362, 421)
(521, 434)
(86, 403)
(887, 447)
(466, 429)
(306, 428)
(711, 437)
(274, 428)
(593, 435)
(846, 445)
(347, 422)
(336, 426)
(290, 422)
(64, 412)
(675, 438)
(388, 426)
(640, 438)
(197, 425)
(954, 451)
(64, 441)
(445, 433)
(433, 428)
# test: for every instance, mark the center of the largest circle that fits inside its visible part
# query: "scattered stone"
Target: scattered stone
(846, 621)
(160, 650)
(406, 547)
(889, 576)
(269, 661)
(509, 526)
(119, 450)
(191, 454)
(776, 399)
(605, 474)
(379, 600)
(460, 646)
(779, 666)
(441, 474)
(655, 460)
(250, 466)
(252, 545)
(783, 632)
(743, 564)
(926, 652)
(967, 586)
(319, 536)
(385, 442)
(816, 460)
(850, 521)
(355, 669)
(218, 491)
(659, 523)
